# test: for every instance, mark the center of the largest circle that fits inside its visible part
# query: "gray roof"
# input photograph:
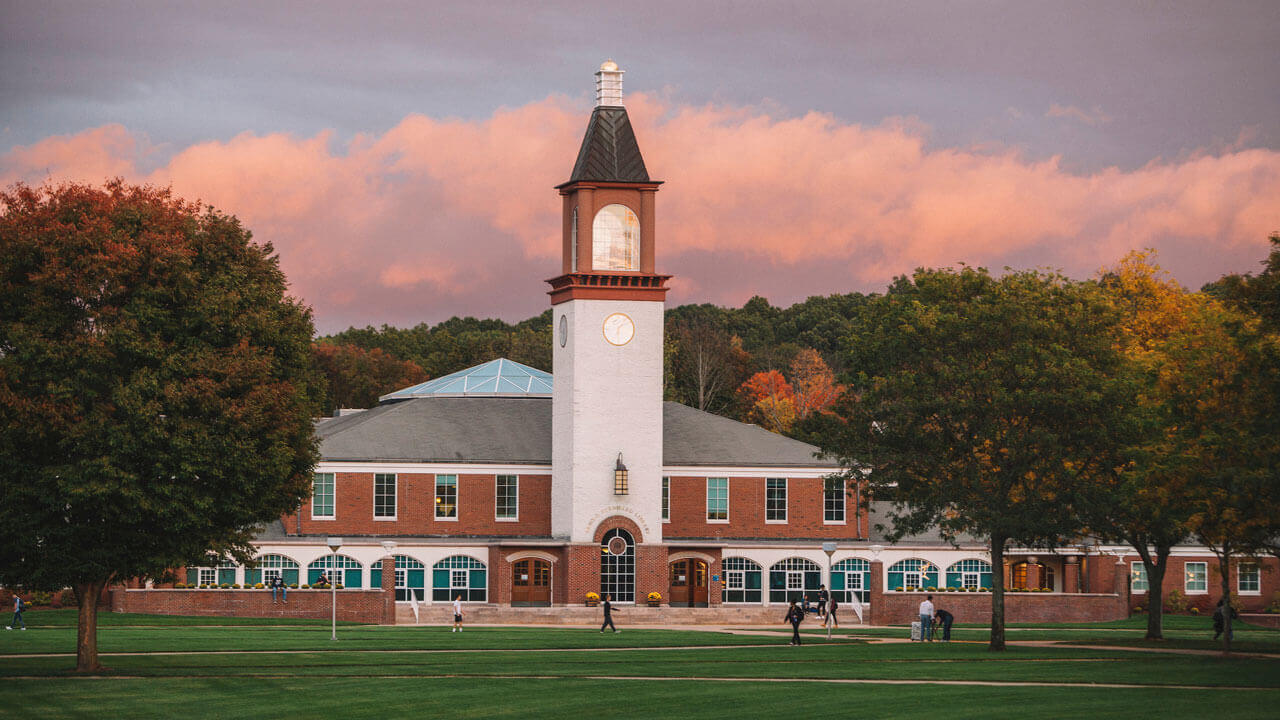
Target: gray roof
(515, 430)
(878, 513)
(609, 151)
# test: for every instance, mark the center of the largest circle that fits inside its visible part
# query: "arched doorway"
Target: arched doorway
(688, 583)
(618, 566)
(1018, 576)
(531, 583)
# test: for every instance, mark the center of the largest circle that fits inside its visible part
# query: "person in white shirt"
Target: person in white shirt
(926, 619)
(457, 614)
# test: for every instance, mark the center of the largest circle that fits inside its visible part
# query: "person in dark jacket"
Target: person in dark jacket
(608, 614)
(945, 619)
(823, 596)
(831, 621)
(1220, 620)
(795, 615)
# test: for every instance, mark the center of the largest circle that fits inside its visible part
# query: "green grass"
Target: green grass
(67, 617)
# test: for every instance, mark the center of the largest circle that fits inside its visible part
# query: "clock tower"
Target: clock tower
(607, 307)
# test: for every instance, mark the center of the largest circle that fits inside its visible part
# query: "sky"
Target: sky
(401, 157)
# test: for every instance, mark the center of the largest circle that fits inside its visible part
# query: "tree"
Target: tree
(1146, 502)
(981, 406)
(156, 389)
(358, 377)
(770, 401)
(706, 361)
(814, 383)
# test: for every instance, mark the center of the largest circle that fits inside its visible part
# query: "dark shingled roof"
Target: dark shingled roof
(518, 431)
(609, 151)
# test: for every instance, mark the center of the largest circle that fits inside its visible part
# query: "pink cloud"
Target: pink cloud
(437, 217)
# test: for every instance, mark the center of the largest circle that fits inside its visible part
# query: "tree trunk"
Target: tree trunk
(1224, 571)
(1155, 569)
(87, 595)
(997, 593)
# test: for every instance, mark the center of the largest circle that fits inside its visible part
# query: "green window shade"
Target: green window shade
(193, 576)
(417, 578)
(477, 580)
(226, 576)
(351, 578)
(313, 574)
(752, 578)
(375, 578)
(440, 580)
(895, 580)
(777, 580)
(812, 581)
(289, 576)
(837, 581)
(953, 579)
(252, 576)
(931, 579)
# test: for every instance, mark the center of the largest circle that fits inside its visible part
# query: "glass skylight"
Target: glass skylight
(496, 378)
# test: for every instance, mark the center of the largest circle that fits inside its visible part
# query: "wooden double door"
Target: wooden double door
(531, 583)
(689, 583)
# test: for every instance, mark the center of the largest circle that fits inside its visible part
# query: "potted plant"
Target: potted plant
(593, 599)
(655, 599)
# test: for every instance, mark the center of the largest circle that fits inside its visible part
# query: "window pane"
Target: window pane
(322, 495)
(833, 500)
(1248, 580)
(508, 493)
(717, 498)
(615, 239)
(666, 498)
(775, 499)
(446, 496)
(1197, 577)
(384, 495)
(1138, 578)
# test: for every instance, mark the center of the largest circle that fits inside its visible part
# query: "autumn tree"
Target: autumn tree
(358, 377)
(156, 389)
(813, 382)
(770, 401)
(706, 363)
(981, 406)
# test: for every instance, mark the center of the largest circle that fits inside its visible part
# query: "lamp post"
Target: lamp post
(830, 549)
(334, 544)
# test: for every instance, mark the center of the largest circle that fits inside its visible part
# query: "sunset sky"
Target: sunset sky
(401, 157)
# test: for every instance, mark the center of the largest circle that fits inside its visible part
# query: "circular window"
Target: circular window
(618, 546)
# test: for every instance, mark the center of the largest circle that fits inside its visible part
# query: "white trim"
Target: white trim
(395, 483)
(496, 517)
(833, 522)
(435, 495)
(333, 499)
(534, 554)
(706, 500)
(687, 554)
(745, 472)
(786, 501)
(1186, 580)
(431, 468)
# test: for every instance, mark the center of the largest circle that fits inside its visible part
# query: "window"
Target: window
(1138, 578)
(446, 497)
(1019, 573)
(718, 499)
(410, 577)
(741, 581)
(208, 576)
(1247, 580)
(793, 578)
(833, 500)
(573, 241)
(775, 500)
(912, 574)
(618, 570)
(851, 578)
(345, 570)
(972, 574)
(1197, 577)
(384, 496)
(615, 239)
(322, 496)
(666, 499)
(508, 497)
(459, 575)
(270, 567)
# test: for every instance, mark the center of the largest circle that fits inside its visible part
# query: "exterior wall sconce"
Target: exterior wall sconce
(620, 477)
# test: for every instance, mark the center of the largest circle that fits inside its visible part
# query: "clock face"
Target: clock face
(619, 329)
(564, 330)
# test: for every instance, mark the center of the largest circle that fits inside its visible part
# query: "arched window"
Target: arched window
(913, 574)
(849, 578)
(618, 566)
(459, 575)
(347, 570)
(971, 574)
(411, 574)
(213, 573)
(1018, 576)
(270, 567)
(793, 578)
(741, 581)
(615, 239)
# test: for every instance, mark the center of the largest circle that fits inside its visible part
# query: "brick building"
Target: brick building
(507, 486)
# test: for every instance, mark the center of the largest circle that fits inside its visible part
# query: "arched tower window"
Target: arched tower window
(615, 239)
(618, 566)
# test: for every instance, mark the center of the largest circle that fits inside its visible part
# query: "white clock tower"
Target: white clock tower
(608, 327)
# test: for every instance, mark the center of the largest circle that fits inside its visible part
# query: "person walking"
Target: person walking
(457, 614)
(823, 597)
(946, 618)
(1220, 620)
(278, 586)
(607, 606)
(795, 615)
(926, 619)
(19, 605)
(831, 620)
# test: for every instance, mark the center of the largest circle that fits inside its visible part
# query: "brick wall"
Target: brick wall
(415, 508)
(363, 606)
(895, 608)
(747, 511)
(1175, 579)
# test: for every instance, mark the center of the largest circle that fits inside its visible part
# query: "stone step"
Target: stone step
(442, 613)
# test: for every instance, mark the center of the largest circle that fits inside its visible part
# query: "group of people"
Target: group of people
(825, 609)
(931, 618)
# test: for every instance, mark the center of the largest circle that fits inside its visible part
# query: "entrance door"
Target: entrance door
(531, 583)
(689, 583)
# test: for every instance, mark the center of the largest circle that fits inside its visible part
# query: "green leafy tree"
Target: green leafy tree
(981, 406)
(357, 377)
(156, 389)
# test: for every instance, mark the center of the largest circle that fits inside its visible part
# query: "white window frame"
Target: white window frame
(436, 495)
(333, 497)
(913, 579)
(1186, 578)
(207, 576)
(459, 579)
(735, 580)
(853, 580)
(395, 496)
(269, 574)
(795, 579)
(1256, 573)
(666, 499)
(1138, 577)
(718, 521)
(970, 580)
(786, 501)
(844, 506)
(515, 517)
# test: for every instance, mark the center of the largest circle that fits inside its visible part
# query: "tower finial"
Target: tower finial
(609, 85)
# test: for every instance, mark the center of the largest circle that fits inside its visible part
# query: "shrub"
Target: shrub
(898, 589)
(235, 586)
(179, 586)
(340, 586)
(1138, 609)
(1195, 611)
(1176, 602)
(304, 586)
(655, 596)
(932, 589)
(1274, 605)
(69, 598)
(259, 586)
(593, 596)
(294, 586)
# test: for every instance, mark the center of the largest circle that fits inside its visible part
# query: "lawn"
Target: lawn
(231, 670)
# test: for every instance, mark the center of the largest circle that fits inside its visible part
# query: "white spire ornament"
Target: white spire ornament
(609, 85)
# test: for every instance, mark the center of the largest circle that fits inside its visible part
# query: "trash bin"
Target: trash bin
(915, 632)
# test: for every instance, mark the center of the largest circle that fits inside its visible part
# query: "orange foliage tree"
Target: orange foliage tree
(814, 383)
(770, 400)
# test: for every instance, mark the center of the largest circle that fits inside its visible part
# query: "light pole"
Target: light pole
(334, 544)
(830, 549)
